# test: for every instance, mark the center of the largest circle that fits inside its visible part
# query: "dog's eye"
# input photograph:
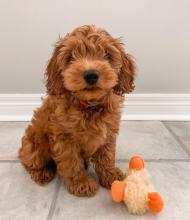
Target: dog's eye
(70, 58)
(107, 56)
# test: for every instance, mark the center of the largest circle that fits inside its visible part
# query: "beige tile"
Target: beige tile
(10, 139)
(21, 198)
(149, 139)
(170, 179)
(182, 131)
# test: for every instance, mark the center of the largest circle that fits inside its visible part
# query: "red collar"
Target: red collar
(91, 106)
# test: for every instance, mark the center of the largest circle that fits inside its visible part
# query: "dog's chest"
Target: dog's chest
(89, 133)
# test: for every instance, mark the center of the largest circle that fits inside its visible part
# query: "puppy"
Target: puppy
(87, 77)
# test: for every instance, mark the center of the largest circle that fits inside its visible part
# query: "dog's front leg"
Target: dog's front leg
(104, 161)
(71, 167)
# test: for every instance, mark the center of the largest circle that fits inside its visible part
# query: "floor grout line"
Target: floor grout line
(156, 160)
(182, 145)
(54, 200)
(121, 160)
(9, 161)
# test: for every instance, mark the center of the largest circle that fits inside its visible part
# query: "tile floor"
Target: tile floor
(164, 145)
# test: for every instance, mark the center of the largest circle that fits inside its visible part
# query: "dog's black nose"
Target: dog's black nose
(91, 76)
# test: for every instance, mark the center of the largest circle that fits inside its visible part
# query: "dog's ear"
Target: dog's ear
(54, 80)
(126, 75)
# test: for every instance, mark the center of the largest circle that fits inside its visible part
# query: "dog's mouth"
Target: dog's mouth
(89, 93)
(91, 89)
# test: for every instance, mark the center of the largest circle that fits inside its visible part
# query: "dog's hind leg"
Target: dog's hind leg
(36, 159)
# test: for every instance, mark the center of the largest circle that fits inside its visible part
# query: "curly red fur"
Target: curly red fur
(64, 137)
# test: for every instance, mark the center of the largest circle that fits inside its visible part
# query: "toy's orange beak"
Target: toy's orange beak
(136, 163)
(117, 190)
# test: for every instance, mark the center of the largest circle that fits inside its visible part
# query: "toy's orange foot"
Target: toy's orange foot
(155, 202)
(117, 190)
(136, 163)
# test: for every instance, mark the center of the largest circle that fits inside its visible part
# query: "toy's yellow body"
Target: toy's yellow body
(136, 190)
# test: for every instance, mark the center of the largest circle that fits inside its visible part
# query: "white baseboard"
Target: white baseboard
(167, 107)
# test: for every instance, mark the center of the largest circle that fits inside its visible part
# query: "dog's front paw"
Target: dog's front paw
(42, 176)
(110, 176)
(85, 187)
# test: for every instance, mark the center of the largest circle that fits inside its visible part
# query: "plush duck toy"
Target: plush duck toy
(136, 190)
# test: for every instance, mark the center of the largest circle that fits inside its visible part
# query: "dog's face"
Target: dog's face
(89, 63)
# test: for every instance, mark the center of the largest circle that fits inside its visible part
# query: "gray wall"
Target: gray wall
(157, 33)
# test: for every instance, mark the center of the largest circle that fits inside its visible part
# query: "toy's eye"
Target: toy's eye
(107, 56)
